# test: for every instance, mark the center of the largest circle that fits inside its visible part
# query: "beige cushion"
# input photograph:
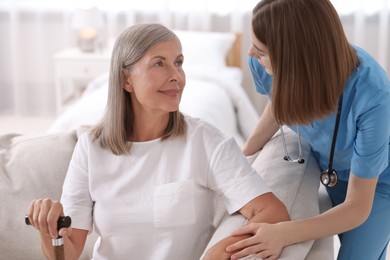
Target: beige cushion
(31, 167)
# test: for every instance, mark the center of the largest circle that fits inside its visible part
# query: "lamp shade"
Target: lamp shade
(87, 21)
(87, 18)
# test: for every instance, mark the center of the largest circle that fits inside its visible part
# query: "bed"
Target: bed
(213, 91)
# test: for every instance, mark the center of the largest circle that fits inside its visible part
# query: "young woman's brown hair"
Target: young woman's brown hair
(115, 129)
(310, 56)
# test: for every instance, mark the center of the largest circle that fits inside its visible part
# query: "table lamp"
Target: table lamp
(87, 21)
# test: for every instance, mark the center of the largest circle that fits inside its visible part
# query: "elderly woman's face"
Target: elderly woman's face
(157, 80)
(260, 52)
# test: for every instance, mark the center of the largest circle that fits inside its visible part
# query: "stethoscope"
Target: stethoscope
(329, 177)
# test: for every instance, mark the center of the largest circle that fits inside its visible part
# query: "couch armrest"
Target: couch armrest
(296, 185)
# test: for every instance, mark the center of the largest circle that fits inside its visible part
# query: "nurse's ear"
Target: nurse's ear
(126, 79)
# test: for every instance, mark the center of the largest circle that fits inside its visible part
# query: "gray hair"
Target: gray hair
(116, 127)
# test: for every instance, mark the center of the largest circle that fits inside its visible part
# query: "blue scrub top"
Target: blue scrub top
(364, 132)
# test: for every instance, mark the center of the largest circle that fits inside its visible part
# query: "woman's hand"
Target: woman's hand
(266, 241)
(43, 215)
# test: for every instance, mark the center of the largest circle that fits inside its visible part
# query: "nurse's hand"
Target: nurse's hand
(266, 241)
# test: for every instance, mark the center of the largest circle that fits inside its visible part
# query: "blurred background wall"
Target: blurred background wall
(31, 32)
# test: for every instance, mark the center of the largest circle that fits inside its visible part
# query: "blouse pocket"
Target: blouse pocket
(173, 204)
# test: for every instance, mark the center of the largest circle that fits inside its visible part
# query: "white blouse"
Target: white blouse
(159, 201)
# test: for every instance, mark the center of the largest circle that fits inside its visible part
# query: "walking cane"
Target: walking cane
(58, 243)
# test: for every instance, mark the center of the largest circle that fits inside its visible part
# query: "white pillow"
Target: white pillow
(205, 48)
(212, 103)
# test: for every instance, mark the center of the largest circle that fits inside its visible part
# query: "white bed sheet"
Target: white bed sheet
(214, 95)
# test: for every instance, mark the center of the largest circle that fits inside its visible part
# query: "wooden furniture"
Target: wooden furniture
(73, 70)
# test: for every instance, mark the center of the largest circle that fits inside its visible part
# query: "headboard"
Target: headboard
(233, 58)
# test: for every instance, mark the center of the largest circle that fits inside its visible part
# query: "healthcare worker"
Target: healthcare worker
(301, 58)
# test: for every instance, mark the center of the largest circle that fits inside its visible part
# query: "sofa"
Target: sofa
(34, 166)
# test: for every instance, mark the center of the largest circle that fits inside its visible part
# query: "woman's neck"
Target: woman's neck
(149, 127)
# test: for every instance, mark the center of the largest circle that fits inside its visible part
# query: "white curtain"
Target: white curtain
(367, 24)
(32, 31)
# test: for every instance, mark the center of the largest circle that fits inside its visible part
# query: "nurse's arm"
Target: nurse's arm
(264, 208)
(346, 216)
(264, 130)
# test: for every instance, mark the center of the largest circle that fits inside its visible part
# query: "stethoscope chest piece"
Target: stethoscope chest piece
(329, 179)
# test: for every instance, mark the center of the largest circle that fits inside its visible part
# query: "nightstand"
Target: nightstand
(73, 69)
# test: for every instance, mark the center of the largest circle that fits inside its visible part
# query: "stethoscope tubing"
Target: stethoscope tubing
(287, 157)
(335, 132)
